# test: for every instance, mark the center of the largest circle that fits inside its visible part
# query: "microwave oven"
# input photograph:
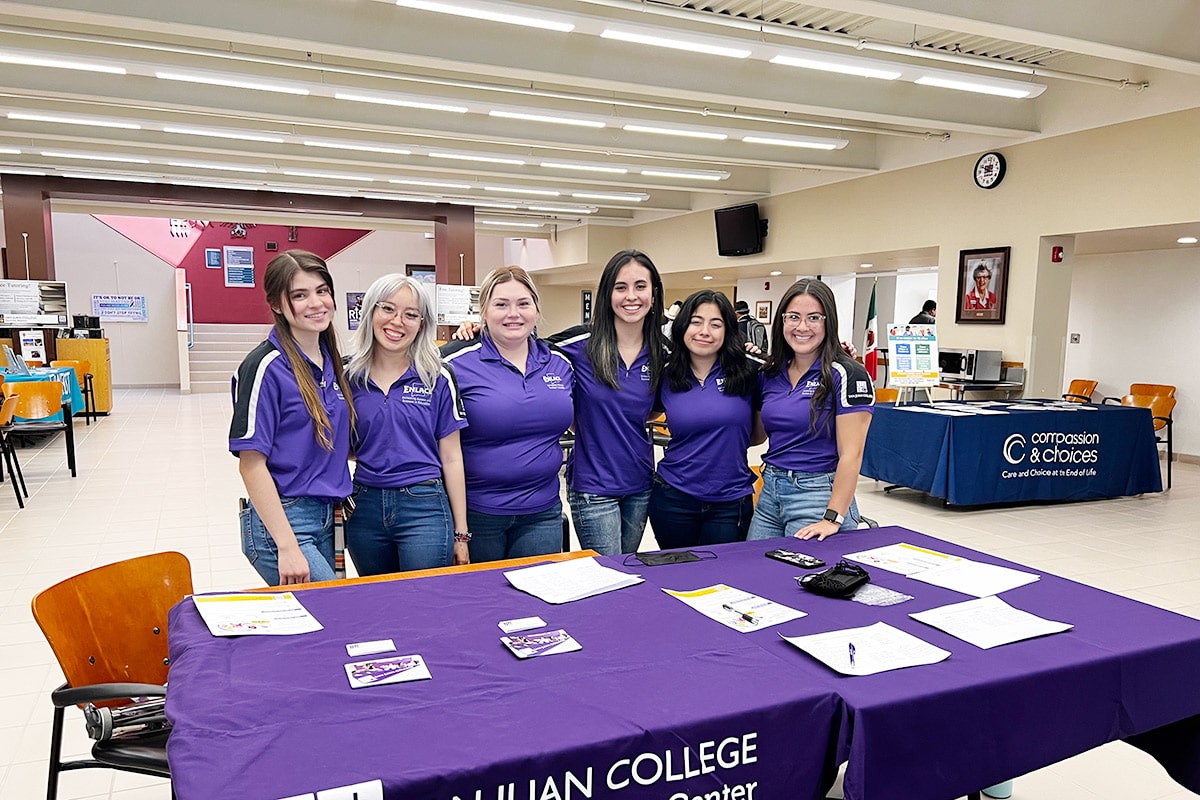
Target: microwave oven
(969, 364)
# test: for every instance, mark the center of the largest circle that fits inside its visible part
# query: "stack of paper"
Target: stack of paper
(866, 651)
(736, 609)
(941, 569)
(989, 622)
(574, 579)
(255, 614)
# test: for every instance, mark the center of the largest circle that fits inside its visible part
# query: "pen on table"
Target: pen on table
(743, 614)
(851, 647)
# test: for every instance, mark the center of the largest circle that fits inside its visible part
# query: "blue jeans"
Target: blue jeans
(790, 500)
(681, 520)
(311, 521)
(609, 525)
(400, 529)
(497, 536)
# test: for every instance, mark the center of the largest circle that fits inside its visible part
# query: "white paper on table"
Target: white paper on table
(989, 622)
(906, 559)
(736, 609)
(255, 614)
(975, 578)
(565, 581)
(1046, 407)
(945, 412)
(866, 651)
(971, 408)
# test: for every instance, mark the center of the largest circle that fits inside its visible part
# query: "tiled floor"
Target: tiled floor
(156, 476)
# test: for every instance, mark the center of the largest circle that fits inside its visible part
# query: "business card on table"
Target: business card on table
(522, 624)
(395, 669)
(531, 645)
(371, 648)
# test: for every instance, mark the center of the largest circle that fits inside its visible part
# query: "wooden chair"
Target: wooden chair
(1152, 389)
(886, 395)
(757, 469)
(660, 434)
(108, 630)
(1161, 407)
(7, 411)
(83, 374)
(1080, 391)
(39, 402)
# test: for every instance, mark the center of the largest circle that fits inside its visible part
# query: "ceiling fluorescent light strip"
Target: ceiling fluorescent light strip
(20, 171)
(217, 134)
(64, 120)
(332, 176)
(482, 204)
(399, 102)
(402, 198)
(515, 190)
(691, 134)
(516, 162)
(482, 12)
(101, 176)
(9, 151)
(618, 196)
(812, 144)
(206, 165)
(93, 157)
(880, 72)
(508, 224)
(59, 63)
(431, 184)
(231, 83)
(584, 167)
(695, 175)
(1010, 89)
(565, 209)
(365, 148)
(580, 123)
(688, 45)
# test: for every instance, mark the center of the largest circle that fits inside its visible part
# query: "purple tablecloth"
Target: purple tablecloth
(982, 716)
(258, 718)
(264, 717)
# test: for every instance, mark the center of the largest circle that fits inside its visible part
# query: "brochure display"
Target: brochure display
(913, 355)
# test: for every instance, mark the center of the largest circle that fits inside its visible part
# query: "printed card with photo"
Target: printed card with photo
(530, 645)
(394, 669)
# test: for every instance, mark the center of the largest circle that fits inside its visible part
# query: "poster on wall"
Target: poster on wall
(354, 309)
(120, 307)
(239, 266)
(33, 303)
(912, 355)
(457, 304)
(212, 257)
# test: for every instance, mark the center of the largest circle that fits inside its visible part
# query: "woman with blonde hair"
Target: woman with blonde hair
(517, 393)
(291, 428)
(409, 489)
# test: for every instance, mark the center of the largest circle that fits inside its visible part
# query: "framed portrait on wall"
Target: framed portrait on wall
(982, 285)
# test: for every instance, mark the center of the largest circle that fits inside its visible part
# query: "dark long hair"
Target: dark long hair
(602, 344)
(821, 405)
(277, 284)
(737, 369)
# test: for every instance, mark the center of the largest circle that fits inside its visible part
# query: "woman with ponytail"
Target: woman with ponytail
(292, 422)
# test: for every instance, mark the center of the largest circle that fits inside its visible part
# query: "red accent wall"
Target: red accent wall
(212, 301)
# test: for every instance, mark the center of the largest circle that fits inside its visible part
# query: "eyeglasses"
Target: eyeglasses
(985, 275)
(390, 311)
(811, 319)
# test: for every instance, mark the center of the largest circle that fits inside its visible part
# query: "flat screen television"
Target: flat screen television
(740, 232)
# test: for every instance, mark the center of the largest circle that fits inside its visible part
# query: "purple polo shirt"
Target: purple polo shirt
(511, 451)
(397, 435)
(793, 446)
(710, 432)
(613, 454)
(269, 417)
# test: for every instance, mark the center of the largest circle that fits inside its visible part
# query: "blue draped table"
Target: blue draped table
(1018, 457)
(658, 689)
(64, 375)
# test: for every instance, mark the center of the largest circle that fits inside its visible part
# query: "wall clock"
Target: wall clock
(989, 170)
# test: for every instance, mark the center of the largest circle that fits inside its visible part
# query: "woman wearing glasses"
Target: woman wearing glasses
(409, 489)
(816, 408)
(517, 393)
(980, 298)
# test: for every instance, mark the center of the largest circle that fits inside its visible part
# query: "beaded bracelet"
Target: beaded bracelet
(462, 536)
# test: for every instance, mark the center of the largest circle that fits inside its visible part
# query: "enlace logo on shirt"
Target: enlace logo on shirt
(554, 382)
(646, 373)
(720, 383)
(810, 386)
(417, 393)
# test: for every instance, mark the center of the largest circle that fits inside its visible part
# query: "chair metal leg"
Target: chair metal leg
(12, 451)
(55, 755)
(70, 440)
(8, 462)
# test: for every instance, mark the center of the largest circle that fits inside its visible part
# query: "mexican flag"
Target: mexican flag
(871, 355)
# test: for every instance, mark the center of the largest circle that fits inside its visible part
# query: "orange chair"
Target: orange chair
(887, 395)
(1151, 389)
(38, 405)
(660, 434)
(109, 649)
(1080, 391)
(1161, 407)
(83, 374)
(7, 411)
(758, 481)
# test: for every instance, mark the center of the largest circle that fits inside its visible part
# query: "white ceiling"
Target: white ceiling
(1099, 63)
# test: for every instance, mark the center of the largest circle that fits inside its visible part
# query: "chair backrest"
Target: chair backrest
(886, 395)
(37, 399)
(1152, 389)
(1080, 388)
(81, 367)
(109, 625)
(8, 410)
(1160, 405)
(758, 481)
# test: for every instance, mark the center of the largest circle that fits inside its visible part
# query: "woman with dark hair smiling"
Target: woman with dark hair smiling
(704, 491)
(816, 408)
